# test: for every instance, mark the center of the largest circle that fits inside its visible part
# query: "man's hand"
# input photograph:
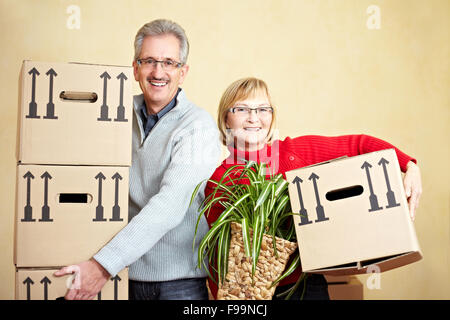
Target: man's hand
(413, 187)
(90, 277)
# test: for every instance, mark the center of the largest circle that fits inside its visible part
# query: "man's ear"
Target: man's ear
(135, 70)
(184, 70)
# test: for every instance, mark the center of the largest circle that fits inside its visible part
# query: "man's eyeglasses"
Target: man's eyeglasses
(167, 65)
(243, 110)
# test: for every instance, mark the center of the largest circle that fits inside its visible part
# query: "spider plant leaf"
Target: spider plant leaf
(201, 215)
(292, 289)
(262, 170)
(252, 176)
(275, 212)
(206, 267)
(251, 164)
(303, 276)
(229, 210)
(294, 264)
(195, 192)
(280, 205)
(225, 177)
(210, 234)
(222, 252)
(267, 188)
(281, 185)
(258, 232)
(271, 202)
(246, 237)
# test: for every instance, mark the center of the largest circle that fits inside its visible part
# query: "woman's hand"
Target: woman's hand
(413, 187)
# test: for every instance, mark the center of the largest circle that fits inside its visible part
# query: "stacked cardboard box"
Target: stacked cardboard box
(345, 288)
(74, 153)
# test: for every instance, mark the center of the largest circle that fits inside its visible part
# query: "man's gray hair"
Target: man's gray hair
(161, 27)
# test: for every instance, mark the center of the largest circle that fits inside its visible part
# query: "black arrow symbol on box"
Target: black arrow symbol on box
(28, 210)
(372, 197)
(45, 207)
(32, 106)
(116, 208)
(104, 108)
(50, 105)
(303, 213)
(99, 208)
(121, 108)
(46, 281)
(28, 282)
(116, 279)
(390, 194)
(319, 208)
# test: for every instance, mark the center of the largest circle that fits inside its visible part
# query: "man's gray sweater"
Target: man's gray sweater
(180, 151)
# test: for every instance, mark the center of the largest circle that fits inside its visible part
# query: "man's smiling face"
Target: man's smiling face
(158, 85)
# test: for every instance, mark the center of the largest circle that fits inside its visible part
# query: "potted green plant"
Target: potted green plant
(249, 245)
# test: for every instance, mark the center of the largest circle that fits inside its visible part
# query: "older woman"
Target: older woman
(246, 118)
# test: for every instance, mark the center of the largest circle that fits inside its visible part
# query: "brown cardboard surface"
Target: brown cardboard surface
(41, 284)
(50, 233)
(345, 236)
(353, 290)
(57, 131)
(337, 279)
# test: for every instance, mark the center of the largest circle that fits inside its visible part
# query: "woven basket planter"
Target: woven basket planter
(238, 281)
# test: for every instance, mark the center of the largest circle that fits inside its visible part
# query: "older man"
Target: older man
(175, 146)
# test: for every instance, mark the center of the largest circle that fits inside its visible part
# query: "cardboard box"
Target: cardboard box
(56, 127)
(354, 214)
(352, 290)
(41, 284)
(337, 279)
(65, 214)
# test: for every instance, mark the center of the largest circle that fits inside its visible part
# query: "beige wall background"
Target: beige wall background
(330, 73)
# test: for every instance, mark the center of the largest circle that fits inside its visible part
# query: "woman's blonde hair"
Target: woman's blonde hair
(237, 91)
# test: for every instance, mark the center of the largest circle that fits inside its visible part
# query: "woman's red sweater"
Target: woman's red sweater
(290, 154)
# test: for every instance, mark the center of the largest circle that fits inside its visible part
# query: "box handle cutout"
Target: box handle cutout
(74, 198)
(343, 193)
(76, 96)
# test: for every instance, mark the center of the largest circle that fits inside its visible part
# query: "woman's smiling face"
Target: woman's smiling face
(249, 128)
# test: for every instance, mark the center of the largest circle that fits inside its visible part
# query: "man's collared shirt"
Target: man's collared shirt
(149, 121)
